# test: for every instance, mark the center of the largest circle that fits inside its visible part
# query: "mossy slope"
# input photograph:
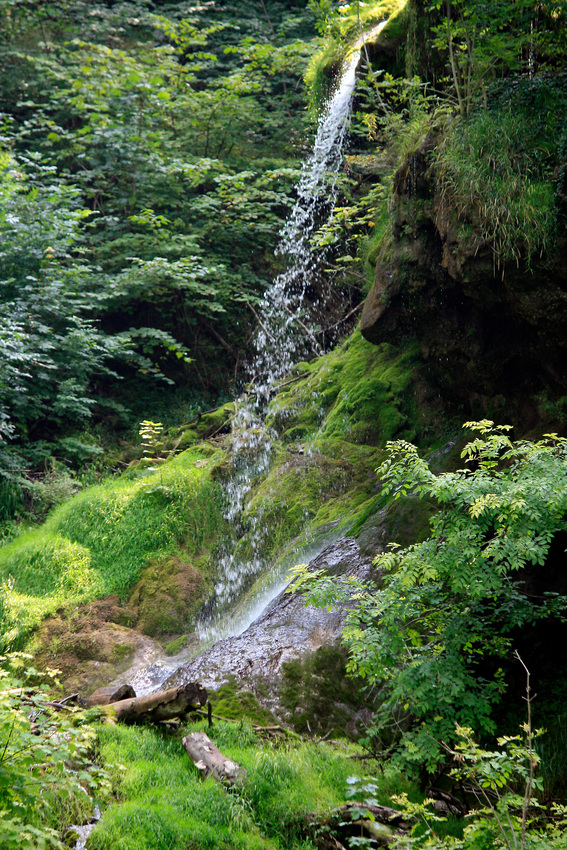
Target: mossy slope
(99, 542)
(332, 424)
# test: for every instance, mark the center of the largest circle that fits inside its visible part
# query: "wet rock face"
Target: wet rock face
(286, 630)
(491, 337)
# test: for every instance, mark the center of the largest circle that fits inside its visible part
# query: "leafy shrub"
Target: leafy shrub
(435, 635)
(47, 774)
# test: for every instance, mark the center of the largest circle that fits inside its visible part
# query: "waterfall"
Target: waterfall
(285, 332)
(283, 315)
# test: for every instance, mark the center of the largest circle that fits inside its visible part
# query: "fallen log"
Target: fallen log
(381, 814)
(161, 705)
(209, 761)
(373, 821)
(104, 696)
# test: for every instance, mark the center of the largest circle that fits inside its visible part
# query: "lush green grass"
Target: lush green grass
(497, 171)
(164, 805)
(98, 542)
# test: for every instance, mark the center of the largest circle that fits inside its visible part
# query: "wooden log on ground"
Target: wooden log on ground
(382, 814)
(210, 761)
(382, 824)
(104, 696)
(161, 705)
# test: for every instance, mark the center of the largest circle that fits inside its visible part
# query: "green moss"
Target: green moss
(168, 595)
(374, 243)
(187, 438)
(321, 74)
(345, 28)
(395, 31)
(175, 646)
(333, 424)
(99, 542)
(359, 393)
(234, 703)
(213, 423)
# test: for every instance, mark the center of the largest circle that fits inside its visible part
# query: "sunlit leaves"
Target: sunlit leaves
(45, 758)
(448, 604)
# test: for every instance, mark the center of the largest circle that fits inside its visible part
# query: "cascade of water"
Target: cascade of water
(284, 333)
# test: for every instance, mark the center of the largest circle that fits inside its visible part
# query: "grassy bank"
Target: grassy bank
(164, 805)
(99, 542)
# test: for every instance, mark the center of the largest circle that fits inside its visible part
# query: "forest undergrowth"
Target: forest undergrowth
(148, 157)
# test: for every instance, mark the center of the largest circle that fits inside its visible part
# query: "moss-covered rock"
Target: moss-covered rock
(233, 702)
(100, 542)
(210, 424)
(333, 423)
(358, 393)
(319, 695)
(166, 597)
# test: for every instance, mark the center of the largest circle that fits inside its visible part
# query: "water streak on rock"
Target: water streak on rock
(286, 332)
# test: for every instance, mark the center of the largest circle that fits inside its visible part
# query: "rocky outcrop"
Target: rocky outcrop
(286, 629)
(491, 337)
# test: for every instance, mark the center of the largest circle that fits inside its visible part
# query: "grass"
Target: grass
(496, 170)
(164, 805)
(99, 542)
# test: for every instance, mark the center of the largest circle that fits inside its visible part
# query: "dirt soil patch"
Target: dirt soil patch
(92, 644)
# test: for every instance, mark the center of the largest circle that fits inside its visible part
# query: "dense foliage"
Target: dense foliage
(433, 637)
(148, 157)
(47, 761)
(148, 154)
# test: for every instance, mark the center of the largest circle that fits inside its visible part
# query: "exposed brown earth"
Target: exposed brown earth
(92, 644)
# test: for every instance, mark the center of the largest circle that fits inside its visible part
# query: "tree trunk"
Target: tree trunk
(161, 705)
(104, 696)
(210, 761)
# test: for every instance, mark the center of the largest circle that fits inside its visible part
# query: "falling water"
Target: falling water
(285, 333)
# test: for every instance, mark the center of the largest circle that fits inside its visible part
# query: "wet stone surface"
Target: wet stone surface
(285, 630)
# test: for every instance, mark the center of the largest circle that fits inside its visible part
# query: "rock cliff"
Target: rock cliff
(493, 337)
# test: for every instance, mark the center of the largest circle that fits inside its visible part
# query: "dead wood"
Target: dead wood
(161, 705)
(104, 696)
(382, 824)
(382, 814)
(209, 761)
(446, 803)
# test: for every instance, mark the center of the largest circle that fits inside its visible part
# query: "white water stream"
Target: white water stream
(285, 333)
